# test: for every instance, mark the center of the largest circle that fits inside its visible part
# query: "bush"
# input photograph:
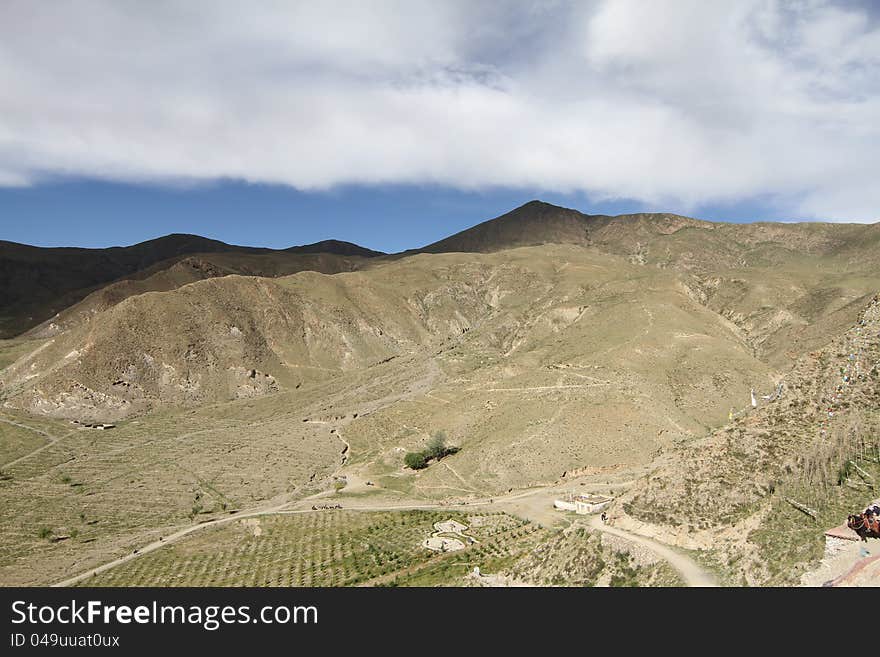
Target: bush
(435, 451)
(436, 446)
(415, 460)
(44, 533)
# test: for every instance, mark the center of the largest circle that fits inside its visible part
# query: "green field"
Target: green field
(333, 548)
(352, 548)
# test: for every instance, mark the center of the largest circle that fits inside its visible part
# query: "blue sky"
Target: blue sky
(396, 122)
(386, 218)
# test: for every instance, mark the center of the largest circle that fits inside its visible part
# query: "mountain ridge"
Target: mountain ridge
(200, 244)
(45, 281)
(565, 225)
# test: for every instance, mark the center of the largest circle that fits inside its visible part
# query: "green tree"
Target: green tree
(415, 460)
(436, 446)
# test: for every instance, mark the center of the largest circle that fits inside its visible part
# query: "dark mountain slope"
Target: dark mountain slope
(336, 247)
(40, 282)
(531, 224)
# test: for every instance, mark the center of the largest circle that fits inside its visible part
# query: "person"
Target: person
(604, 517)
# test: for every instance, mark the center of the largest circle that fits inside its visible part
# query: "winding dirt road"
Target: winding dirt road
(693, 574)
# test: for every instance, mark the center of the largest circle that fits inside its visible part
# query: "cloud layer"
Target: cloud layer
(680, 103)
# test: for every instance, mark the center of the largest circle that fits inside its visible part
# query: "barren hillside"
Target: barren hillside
(42, 282)
(670, 240)
(737, 491)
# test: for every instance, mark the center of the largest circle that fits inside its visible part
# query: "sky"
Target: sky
(393, 124)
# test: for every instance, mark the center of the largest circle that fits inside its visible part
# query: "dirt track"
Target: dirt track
(51, 441)
(693, 574)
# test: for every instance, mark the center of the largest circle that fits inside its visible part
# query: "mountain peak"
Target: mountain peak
(533, 223)
(539, 205)
(336, 247)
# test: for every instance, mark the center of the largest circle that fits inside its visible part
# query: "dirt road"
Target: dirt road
(49, 437)
(693, 573)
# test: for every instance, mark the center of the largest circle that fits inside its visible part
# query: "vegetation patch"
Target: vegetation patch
(436, 450)
(328, 548)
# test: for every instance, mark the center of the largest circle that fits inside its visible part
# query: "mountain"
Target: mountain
(516, 322)
(669, 240)
(531, 224)
(778, 289)
(41, 282)
(44, 282)
(336, 247)
(174, 273)
(788, 286)
(609, 352)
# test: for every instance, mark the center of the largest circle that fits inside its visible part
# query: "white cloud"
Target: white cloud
(679, 103)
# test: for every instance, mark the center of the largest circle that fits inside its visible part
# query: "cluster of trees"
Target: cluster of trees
(436, 450)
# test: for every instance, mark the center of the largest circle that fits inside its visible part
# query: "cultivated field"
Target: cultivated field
(351, 548)
(327, 548)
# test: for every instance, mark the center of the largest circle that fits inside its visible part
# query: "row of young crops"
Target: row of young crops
(333, 548)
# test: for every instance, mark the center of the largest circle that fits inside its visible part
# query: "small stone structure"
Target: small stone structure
(443, 544)
(451, 526)
(101, 426)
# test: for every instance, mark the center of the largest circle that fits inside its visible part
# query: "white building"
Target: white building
(582, 504)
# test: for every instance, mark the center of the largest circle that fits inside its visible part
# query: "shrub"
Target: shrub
(415, 460)
(435, 450)
(44, 533)
(436, 446)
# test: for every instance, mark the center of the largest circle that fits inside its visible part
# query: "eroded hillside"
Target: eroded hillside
(736, 492)
(548, 359)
